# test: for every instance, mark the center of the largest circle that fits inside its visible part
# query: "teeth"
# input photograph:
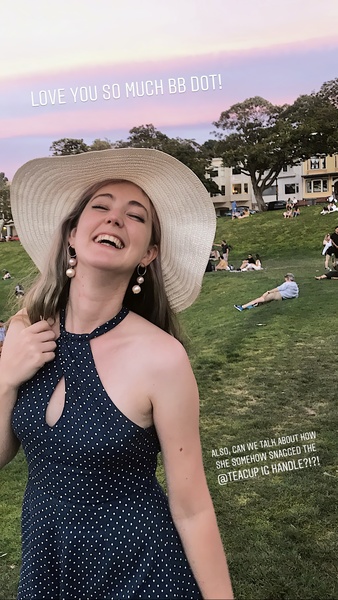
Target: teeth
(109, 239)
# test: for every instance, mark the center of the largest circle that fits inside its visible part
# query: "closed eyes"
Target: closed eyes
(132, 215)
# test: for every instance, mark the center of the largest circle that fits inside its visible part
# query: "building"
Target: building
(289, 185)
(310, 182)
(320, 178)
(233, 185)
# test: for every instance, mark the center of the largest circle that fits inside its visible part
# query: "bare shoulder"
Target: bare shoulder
(166, 352)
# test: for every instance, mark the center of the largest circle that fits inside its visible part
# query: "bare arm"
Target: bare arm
(176, 417)
(26, 349)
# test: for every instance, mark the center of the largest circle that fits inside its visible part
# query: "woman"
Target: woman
(94, 383)
(327, 250)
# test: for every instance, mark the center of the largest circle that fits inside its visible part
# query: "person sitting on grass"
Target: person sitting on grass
(287, 290)
(253, 264)
(330, 275)
(222, 265)
(6, 275)
(245, 214)
(19, 291)
(246, 262)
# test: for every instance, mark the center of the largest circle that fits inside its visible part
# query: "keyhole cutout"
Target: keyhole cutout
(56, 404)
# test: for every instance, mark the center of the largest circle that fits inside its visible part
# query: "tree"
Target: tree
(101, 145)
(188, 151)
(5, 207)
(329, 92)
(67, 146)
(266, 137)
(314, 121)
(258, 147)
(144, 136)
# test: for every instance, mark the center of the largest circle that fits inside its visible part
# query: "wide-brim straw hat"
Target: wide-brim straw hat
(44, 191)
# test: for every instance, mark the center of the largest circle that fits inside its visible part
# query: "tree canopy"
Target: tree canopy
(5, 207)
(188, 151)
(67, 146)
(329, 92)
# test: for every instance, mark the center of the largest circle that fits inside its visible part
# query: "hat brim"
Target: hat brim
(44, 191)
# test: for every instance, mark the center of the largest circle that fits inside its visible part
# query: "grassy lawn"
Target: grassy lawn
(263, 374)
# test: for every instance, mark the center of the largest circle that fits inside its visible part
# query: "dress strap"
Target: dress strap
(109, 324)
(96, 332)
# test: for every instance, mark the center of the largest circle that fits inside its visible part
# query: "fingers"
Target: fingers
(40, 331)
(48, 347)
(40, 326)
(48, 356)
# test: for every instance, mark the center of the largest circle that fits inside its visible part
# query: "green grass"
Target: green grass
(262, 374)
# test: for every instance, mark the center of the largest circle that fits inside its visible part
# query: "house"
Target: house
(309, 183)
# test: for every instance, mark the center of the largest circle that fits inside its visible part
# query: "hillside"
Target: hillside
(272, 236)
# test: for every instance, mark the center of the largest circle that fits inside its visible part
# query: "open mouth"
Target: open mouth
(109, 240)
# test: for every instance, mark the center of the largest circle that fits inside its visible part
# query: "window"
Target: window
(314, 163)
(285, 168)
(223, 190)
(236, 188)
(246, 188)
(315, 186)
(236, 170)
(317, 162)
(291, 188)
(270, 191)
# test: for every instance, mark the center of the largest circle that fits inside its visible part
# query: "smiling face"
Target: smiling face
(115, 228)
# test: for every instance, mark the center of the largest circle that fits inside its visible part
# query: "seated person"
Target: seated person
(258, 263)
(7, 275)
(288, 213)
(246, 213)
(19, 290)
(222, 265)
(248, 264)
(256, 266)
(331, 207)
(287, 290)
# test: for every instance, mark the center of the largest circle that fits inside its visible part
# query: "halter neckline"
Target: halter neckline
(101, 329)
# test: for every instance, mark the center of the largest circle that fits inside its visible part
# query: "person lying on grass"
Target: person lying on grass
(330, 275)
(287, 290)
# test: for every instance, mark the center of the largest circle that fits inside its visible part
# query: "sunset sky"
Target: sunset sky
(80, 68)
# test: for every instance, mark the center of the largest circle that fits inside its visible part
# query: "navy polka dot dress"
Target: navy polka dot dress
(95, 523)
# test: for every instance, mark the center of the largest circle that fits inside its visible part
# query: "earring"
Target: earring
(140, 279)
(72, 262)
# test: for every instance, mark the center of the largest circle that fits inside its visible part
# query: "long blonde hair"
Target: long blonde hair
(51, 290)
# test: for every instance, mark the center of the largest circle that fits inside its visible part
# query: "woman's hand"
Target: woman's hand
(26, 349)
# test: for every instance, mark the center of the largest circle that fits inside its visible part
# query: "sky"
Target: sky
(86, 69)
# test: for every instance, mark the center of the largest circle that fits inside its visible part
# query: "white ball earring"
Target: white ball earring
(72, 262)
(140, 279)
